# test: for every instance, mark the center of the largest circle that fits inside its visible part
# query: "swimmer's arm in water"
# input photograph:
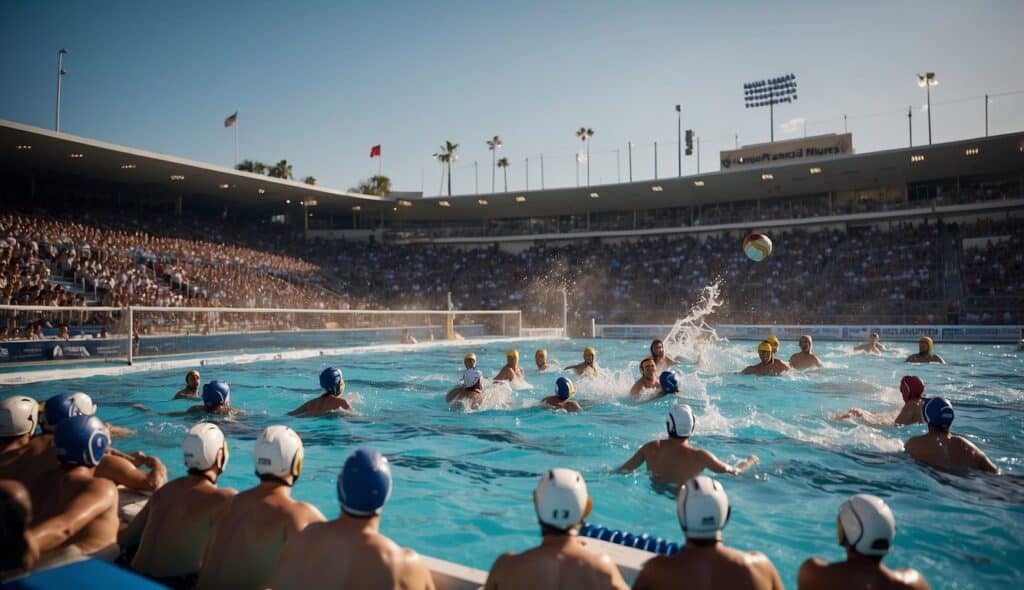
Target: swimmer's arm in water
(982, 462)
(577, 367)
(711, 462)
(571, 406)
(118, 431)
(939, 359)
(129, 537)
(299, 411)
(751, 370)
(97, 498)
(635, 461)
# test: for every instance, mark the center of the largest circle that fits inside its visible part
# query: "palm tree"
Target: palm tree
(281, 170)
(493, 144)
(585, 133)
(503, 164)
(375, 185)
(259, 168)
(309, 180)
(447, 156)
(246, 166)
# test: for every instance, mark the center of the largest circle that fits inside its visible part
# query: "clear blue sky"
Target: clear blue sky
(319, 83)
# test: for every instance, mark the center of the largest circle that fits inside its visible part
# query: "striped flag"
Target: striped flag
(230, 121)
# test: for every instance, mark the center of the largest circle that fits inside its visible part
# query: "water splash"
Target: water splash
(692, 338)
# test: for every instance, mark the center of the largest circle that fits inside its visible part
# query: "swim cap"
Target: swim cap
(561, 499)
(646, 361)
(542, 352)
(765, 346)
(773, 340)
(469, 355)
(190, 373)
(911, 387)
(703, 508)
(201, 445)
(589, 350)
(938, 412)
(81, 440)
(866, 524)
(669, 382)
(278, 452)
(65, 405)
(512, 354)
(471, 377)
(564, 388)
(331, 380)
(680, 422)
(927, 341)
(364, 484)
(216, 393)
(18, 415)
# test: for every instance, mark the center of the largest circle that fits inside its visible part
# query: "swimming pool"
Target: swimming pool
(463, 482)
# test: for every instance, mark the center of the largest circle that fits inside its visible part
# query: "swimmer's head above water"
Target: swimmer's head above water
(669, 382)
(564, 388)
(332, 381)
(63, 406)
(911, 387)
(512, 356)
(589, 355)
(680, 422)
(469, 360)
(806, 342)
(81, 440)
(204, 448)
(19, 415)
(192, 379)
(938, 413)
(364, 484)
(216, 394)
(925, 345)
(647, 368)
(278, 454)
(657, 349)
(765, 351)
(774, 341)
(703, 509)
(561, 500)
(866, 525)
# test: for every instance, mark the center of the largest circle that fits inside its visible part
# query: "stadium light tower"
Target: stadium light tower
(60, 74)
(926, 81)
(770, 93)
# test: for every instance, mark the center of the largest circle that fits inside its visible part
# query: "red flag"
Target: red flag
(375, 151)
(230, 121)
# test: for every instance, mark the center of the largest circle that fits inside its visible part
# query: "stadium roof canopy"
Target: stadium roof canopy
(53, 153)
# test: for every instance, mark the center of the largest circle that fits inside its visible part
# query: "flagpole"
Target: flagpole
(236, 137)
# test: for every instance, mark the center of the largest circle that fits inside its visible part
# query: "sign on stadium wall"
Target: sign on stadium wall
(818, 146)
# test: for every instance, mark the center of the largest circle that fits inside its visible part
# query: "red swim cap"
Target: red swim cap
(911, 387)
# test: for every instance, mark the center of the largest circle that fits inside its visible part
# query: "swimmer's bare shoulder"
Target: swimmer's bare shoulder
(411, 572)
(817, 573)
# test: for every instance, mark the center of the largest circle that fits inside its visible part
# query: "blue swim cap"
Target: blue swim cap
(81, 440)
(564, 388)
(216, 393)
(938, 412)
(64, 405)
(669, 382)
(331, 379)
(365, 483)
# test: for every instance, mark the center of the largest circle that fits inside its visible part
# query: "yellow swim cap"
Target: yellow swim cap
(190, 373)
(512, 354)
(927, 341)
(589, 350)
(469, 355)
(542, 352)
(774, 341)
(765, 346)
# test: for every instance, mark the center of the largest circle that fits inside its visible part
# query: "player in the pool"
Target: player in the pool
(471, 391)
(674, 460)
(805, 359)
(541, 359)
(19, 416)
(912, 390)
(774, 341)
(873, 345)
(943, 449)
(925, 353)
(565, 389)
(705, 561)
(562, 560)
(866, 528)
(769, 365)
(16, 556)
(648, 380)
(350, 552)
(408, 338)
(589, 367)
(330, 401)
(191, 389)
(75, 510)
(661, 360)
(167, 539)
(511, 371)
(469, 360)
(216, 400)
(254, 526)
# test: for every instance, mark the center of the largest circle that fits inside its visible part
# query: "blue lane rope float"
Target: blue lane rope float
(641, 542)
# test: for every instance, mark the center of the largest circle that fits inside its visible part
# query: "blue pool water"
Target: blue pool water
(463, 482)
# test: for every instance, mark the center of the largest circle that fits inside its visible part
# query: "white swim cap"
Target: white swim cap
(867, 525)
(561, 499)
(680, 421)
(18, 415)
(201, 445)
(703, 508)
(471, 377)
(83, 404)
(278, 452)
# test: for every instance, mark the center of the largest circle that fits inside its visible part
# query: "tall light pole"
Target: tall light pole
(60, 74)
(926, 81)
(768, 93)
(679, 135)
